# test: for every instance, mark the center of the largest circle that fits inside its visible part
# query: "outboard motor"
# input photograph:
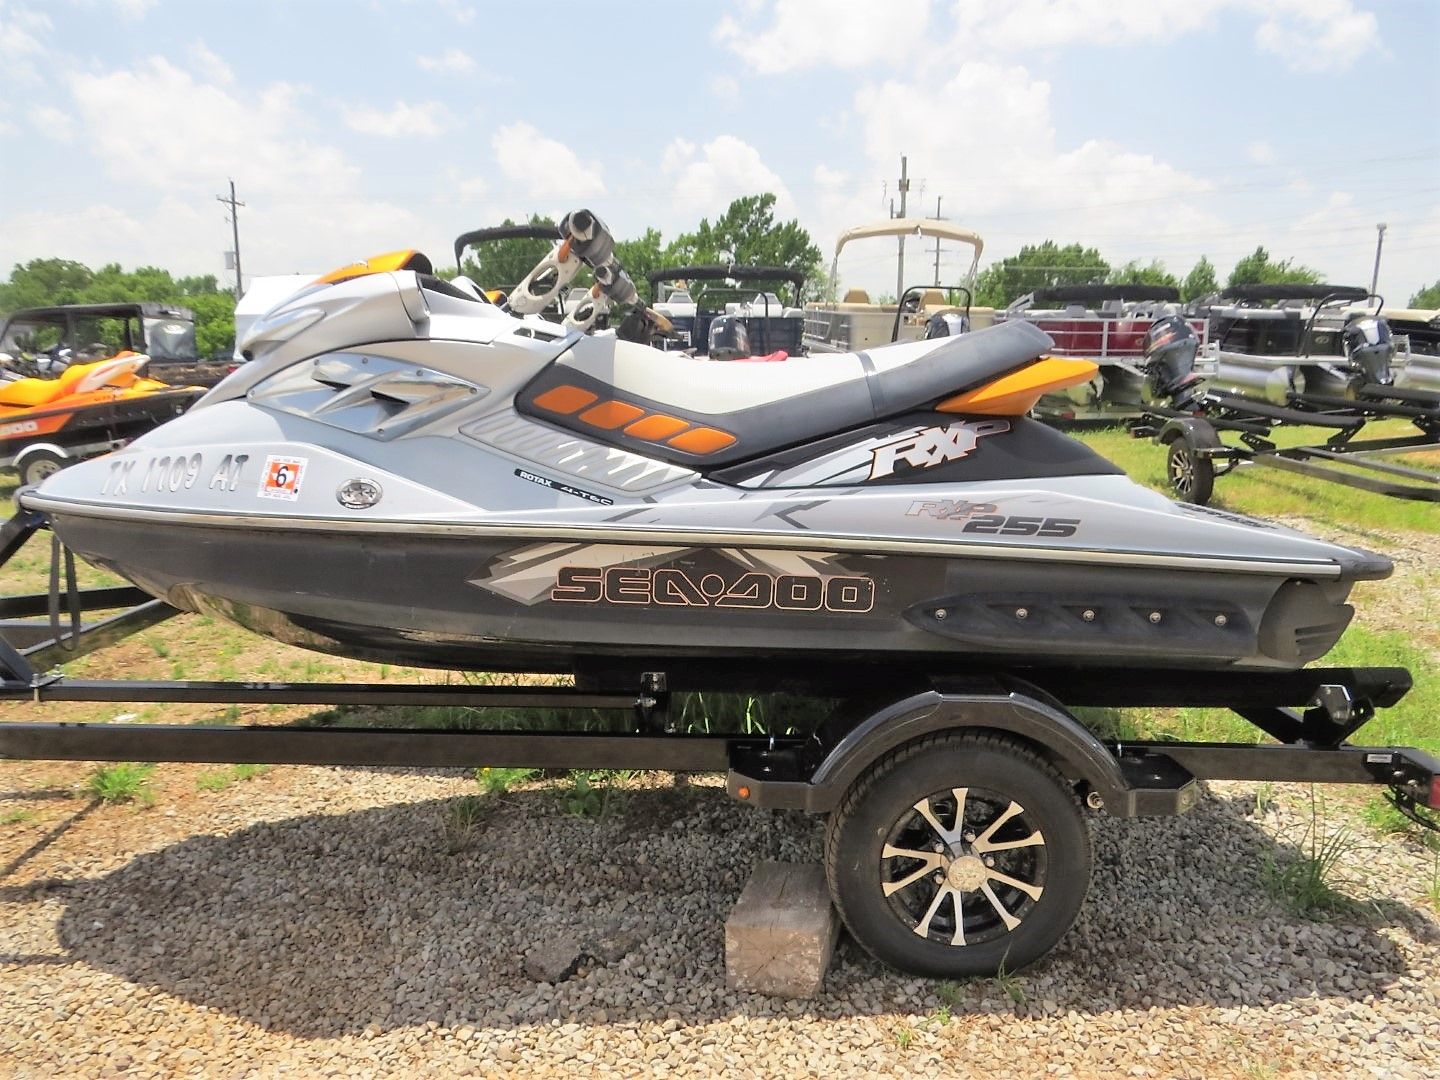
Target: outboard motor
(728, 339)
(1170, 347)
(1369, 348)
(946, 324)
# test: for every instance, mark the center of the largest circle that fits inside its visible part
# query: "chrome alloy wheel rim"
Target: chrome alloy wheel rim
(969, 881)
(1182, 471)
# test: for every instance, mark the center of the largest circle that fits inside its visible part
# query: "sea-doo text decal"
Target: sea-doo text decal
(556, 485)
(981, 518)
(669, 587)
(922, 448)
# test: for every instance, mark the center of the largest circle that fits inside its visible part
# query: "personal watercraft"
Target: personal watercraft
(86, 410)
(407, 472)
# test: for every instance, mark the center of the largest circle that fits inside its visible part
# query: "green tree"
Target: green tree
(1200, 282)
(1133, 273)
(642, 255)
(1258, 268)
(1038, 266)
(501, 264)
(1428, 297)
(214, 322)
(42, 282)
(52, 282)
(748, 233)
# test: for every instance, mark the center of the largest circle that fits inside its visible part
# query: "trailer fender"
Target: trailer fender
(1199, 431)
(31, 449)
(1052, 731)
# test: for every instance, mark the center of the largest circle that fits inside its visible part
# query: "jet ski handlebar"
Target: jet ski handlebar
(583, 240)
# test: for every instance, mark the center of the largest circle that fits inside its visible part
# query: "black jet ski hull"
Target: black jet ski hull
(473, 599)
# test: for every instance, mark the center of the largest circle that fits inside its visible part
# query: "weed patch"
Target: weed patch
(124, 781)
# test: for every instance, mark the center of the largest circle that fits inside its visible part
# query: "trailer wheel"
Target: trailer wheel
(1191, 474)
(39, 465)
(958, 854)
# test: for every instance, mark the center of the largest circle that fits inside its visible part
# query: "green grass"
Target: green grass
(17, 817)
(1414, 721)
(124, 781)
(499, 781)
(589, 790)
(1305, 884)
(220, 779)
(1269, 493)
(461, 818)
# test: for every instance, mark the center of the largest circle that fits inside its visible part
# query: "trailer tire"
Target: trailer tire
(1006, 921)
(1191, 474)
(38, 465)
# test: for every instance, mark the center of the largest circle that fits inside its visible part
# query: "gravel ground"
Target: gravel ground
(326, 922)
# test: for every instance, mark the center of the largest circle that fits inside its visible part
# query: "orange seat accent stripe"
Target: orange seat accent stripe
(702, 440)
(611, 414)
(1016, 394)
(656, 427)
(565, 399)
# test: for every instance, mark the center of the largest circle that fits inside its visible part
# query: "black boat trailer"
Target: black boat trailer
(1196, 455)
(986, 722)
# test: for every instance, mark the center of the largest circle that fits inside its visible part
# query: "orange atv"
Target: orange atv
(45, 424)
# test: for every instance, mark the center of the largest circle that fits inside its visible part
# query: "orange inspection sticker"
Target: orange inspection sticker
(282, 478)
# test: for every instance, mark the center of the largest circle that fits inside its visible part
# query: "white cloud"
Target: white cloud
(840, 33)
(789, 35)
(725, 90)
(467, 186)
(1317, 36)
(708, 178)
(546, 168)
(1261, 152)
(20, 45)
(133, 9)
(1026, 25)
(458, 10)
(451, 61)
(1026, 186)
(206, 63)
(53, 123)
(426, 119)
(197, 131)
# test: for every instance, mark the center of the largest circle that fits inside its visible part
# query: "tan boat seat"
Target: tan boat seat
(856, 296)
(932, 298)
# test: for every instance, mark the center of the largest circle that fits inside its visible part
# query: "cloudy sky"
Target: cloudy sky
(1148, 128)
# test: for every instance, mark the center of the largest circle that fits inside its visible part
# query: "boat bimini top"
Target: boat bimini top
(935, 228)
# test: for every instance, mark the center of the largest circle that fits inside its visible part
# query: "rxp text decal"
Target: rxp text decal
(923, 448)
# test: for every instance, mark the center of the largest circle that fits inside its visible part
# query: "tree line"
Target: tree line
(746, 233)
(50, 282)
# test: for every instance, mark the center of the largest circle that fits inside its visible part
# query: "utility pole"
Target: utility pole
(904, 190)
(1379, 243)
(235, 230)
(937, 244)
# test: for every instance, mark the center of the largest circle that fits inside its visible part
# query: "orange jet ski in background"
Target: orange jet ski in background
(89, 409)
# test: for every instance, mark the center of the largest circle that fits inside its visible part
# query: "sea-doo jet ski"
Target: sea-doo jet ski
(407, 472)
(86, 409)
